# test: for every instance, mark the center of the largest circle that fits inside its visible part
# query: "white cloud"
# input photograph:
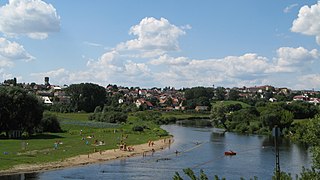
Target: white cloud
(233, 66)
(132, 68)
(33, 18)
(154, 37)
(308, 21)
(11, 51)
(289, 8)
(246, 70)
(5, 63)
(147, 61)
(92, 44)
(294, 59)
(309, 81)
(168, 60)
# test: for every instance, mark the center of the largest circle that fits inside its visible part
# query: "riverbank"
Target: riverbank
(94, 157)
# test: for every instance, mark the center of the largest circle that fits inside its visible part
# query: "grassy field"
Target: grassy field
(40, 148)
(244, 105)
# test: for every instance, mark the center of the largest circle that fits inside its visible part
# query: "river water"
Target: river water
(199, 148)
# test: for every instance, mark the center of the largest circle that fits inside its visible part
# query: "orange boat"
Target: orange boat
(229, 153)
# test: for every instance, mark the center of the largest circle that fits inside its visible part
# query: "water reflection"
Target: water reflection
(27, 176)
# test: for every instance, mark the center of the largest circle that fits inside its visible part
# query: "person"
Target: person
(55, 145)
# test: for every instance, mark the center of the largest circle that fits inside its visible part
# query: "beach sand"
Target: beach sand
(89, 158)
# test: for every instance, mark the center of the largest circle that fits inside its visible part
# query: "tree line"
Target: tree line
(22, 111)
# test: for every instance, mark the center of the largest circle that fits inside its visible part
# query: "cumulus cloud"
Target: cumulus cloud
(148, 61)
(57, 76)
(33, 18)
(232, 66)
(289, 8)
(309, 81)
(154, 37)
(308, 21)
(294, 59)
(168, 60)
(11, 51)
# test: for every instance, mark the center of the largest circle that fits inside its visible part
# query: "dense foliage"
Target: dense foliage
(260, 118)
(198, 96)
(19, 110)
(109, 114)
(50, 123)
(86, 96)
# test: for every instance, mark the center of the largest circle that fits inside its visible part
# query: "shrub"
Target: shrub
(137, 128)
(50, 123)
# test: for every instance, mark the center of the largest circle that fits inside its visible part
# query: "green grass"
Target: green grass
(40, 148)
(244, 105)
(73, 116)
(300, 121)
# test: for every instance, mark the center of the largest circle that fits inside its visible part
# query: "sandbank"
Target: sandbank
(95, 157)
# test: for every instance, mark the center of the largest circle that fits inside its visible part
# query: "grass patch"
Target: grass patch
(72, 116)
(244, 105)
(40, 148)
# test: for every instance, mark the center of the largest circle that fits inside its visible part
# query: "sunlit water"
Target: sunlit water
(199, 148)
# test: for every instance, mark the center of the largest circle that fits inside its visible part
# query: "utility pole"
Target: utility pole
(276, 133)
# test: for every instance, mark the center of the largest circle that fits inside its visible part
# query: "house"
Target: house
(201, 108)
(143, 103)
(46, 100)
(301, 98)
(315, 101)
(272, 99)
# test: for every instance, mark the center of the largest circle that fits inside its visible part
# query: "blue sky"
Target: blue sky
(162, 43)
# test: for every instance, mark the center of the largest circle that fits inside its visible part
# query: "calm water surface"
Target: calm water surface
(200, 148)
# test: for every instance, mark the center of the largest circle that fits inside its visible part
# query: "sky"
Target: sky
(180, 43)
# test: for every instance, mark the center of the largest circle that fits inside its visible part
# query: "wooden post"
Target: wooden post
(276, 133)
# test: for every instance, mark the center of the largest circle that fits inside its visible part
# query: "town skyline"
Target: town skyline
(160, 44)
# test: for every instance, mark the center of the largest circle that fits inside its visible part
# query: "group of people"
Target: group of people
(123, 146)
(150, 143)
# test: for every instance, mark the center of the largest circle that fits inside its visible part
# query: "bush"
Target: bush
(50, 123)
(113, 117)
(137, 128)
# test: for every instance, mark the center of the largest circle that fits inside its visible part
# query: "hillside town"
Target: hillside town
(168, 98)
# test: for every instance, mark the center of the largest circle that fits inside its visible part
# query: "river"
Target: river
(199, 148)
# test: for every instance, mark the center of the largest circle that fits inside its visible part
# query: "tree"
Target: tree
(301, 110)
(220, 93)
(233, 95)
(219, 114)
(198, 96)
(86, 96)
(275, 115)
(19, 110)
(50, 123)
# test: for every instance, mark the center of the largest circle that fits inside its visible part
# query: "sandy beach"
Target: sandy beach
(142, 149)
